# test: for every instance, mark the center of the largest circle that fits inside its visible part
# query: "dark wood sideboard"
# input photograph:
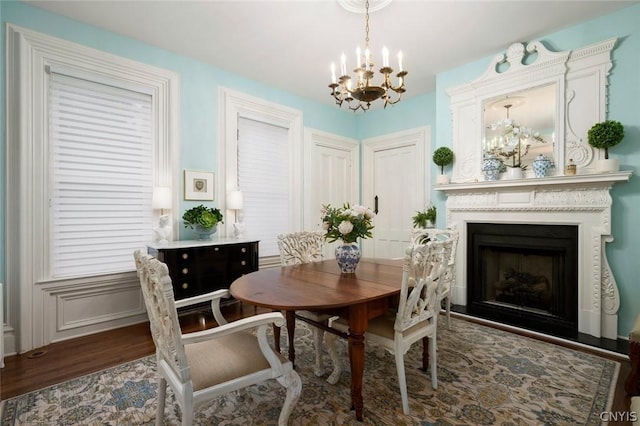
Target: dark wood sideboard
(198, 267)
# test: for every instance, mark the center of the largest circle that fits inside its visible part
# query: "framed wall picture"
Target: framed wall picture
(198, 185)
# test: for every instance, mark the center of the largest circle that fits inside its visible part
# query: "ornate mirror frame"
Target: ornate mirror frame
(580, 78)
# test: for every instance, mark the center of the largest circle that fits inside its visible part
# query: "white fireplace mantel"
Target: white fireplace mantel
(581, 200)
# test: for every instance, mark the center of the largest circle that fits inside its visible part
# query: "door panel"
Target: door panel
(394, 171)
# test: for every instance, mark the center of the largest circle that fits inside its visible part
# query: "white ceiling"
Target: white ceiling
(290, 44)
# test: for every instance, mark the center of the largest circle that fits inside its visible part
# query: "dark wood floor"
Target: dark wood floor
(66, 360)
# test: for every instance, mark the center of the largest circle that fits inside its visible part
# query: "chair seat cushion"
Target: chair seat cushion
(226, 358)
(381, 326)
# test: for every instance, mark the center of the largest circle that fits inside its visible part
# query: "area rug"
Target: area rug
(485, 377)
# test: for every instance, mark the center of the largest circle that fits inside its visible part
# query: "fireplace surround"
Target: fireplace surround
(582, 201)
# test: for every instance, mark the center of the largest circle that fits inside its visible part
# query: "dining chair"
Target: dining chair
(203, 365)
(303, 247)
(416, 318)
(434, 234)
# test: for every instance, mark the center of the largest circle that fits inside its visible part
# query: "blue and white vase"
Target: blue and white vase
(491, 167)
(541, 166)
(348, 256)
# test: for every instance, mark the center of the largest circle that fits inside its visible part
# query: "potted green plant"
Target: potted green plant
(425, 218)
(203, 220)
(442, 156)
(605, 135)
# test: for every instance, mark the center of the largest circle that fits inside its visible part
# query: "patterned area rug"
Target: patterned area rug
(485, 377)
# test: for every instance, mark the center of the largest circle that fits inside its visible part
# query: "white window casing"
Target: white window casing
(235, 105)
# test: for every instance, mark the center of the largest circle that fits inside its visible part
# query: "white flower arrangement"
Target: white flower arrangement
(347, 223)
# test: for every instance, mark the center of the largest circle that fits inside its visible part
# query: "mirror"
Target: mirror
(520, 126)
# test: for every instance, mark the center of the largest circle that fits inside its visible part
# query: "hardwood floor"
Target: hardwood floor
(66, 360)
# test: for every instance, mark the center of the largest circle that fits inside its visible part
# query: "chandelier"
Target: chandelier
(363, 92)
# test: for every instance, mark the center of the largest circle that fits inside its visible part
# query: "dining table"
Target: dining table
(320, 287)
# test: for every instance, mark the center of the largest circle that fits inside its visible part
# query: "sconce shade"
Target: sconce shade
(161, 198)
(235, 200)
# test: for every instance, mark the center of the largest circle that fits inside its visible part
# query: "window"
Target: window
(263, 178)
(101, 171)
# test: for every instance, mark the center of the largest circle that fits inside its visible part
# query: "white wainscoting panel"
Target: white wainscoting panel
(71, 310)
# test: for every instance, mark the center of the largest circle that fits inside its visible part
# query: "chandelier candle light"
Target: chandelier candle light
(365, 91)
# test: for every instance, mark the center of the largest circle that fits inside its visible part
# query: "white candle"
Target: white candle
(385, 56)
(366, 58)
(358, 56)
(333, 72)
(400, 61)
(343, 67)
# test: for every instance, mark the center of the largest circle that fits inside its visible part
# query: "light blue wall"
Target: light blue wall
(199, 83)
(417, 111)
(624, 106)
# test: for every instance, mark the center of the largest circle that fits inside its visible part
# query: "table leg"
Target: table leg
(291, 328)
(276, 338)
(425, 354)
(357, 328)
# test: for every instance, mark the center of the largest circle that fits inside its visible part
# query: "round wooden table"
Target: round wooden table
(320, 287)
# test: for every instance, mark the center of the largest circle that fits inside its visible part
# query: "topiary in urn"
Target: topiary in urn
(606, 135)
(442, 156)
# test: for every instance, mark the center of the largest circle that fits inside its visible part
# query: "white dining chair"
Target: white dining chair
(303, 247)
(203, 365)
(424, 266)
(436, 234)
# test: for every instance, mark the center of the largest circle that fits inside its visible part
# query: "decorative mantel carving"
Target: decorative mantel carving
(582, 200)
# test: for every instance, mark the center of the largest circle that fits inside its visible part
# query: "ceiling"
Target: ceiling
(291, 44)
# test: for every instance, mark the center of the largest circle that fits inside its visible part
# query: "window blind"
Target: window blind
(101, 176)
(263, 178)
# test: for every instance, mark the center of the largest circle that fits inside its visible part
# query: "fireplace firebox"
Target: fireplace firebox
(524, 275)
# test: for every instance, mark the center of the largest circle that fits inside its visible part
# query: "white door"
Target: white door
(332, 169)
(396, 182)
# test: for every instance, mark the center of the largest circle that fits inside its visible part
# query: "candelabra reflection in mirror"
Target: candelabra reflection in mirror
(511, 142)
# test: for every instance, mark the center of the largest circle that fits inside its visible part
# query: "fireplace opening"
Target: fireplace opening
(524, 275)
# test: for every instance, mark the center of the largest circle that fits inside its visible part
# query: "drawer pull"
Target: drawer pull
(243, 249)
(185, 255)
(216, 249)
(243, 263)
(185, 271)
(185, 286)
